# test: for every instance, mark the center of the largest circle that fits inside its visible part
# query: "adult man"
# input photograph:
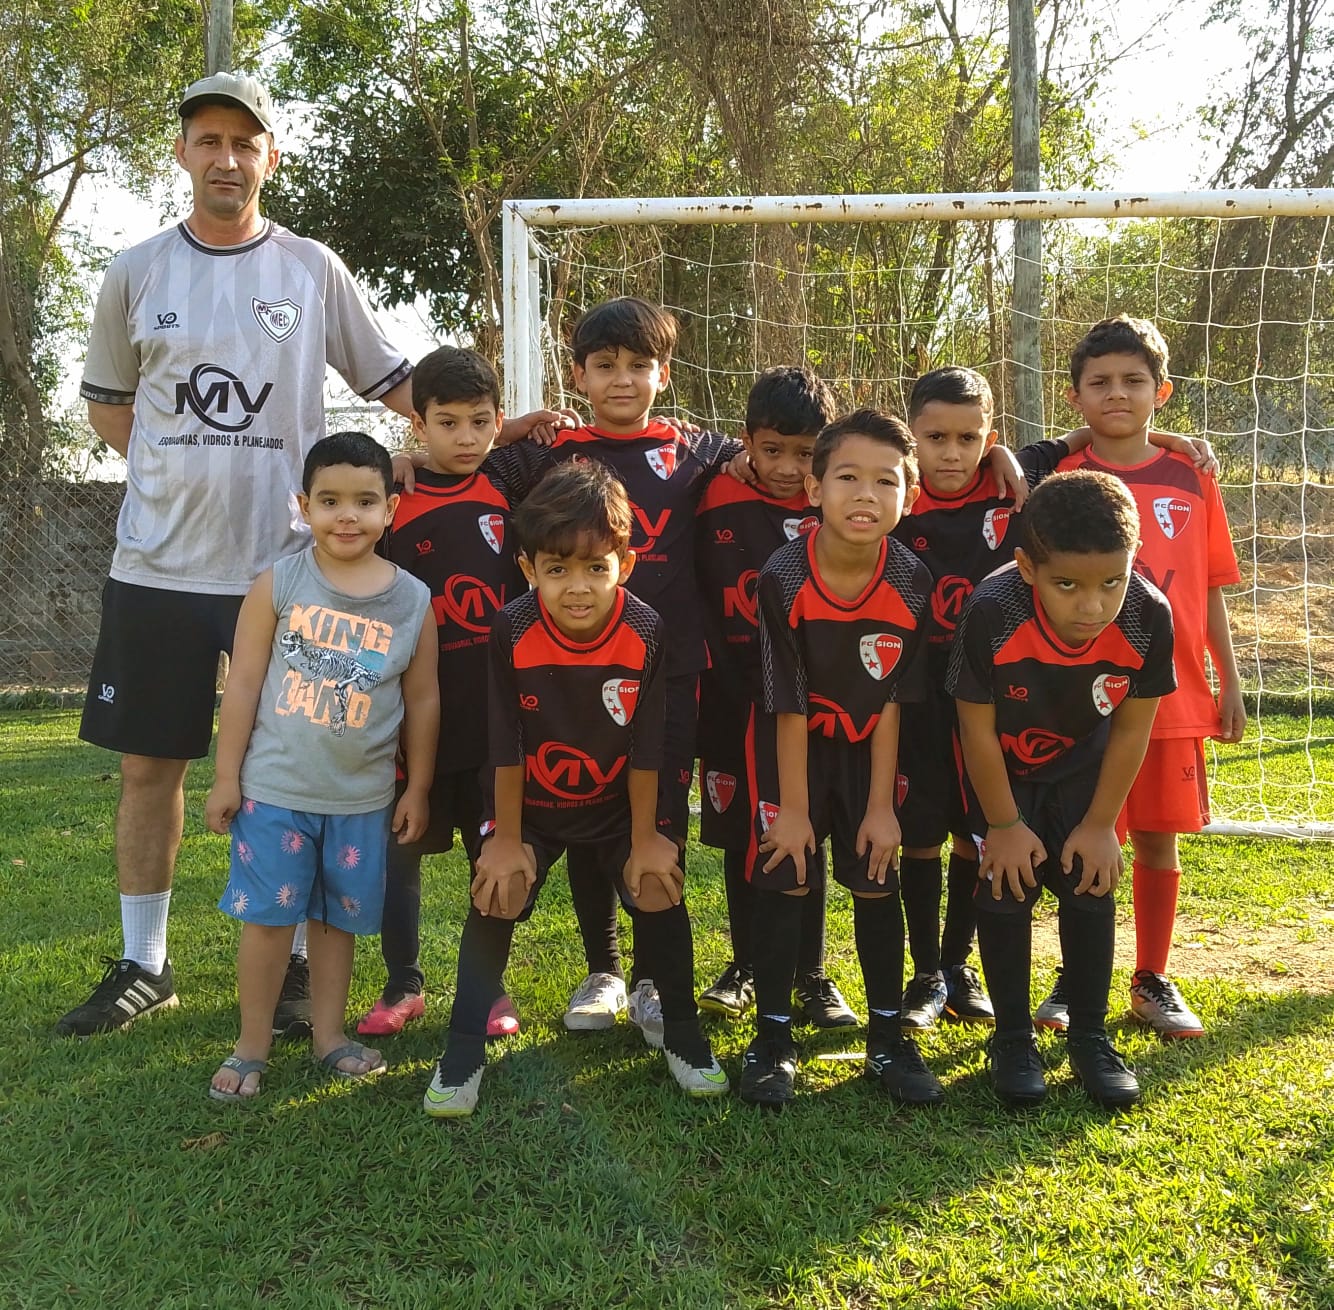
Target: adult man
(205, 370)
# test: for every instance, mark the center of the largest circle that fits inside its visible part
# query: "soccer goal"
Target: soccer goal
(873, 290)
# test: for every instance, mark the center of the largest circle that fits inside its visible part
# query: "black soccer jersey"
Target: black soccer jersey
(1053, 701)
(840, 661)
(737, 529)
(577, 716)
(452, 532)
(664, 473)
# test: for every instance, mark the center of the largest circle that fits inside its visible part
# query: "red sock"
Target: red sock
(1155, 915)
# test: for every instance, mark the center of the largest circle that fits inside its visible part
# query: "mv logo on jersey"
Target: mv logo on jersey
(995, 524)
(279, 318)
(493, 530)
(214, 395)
(879, 653)
(794, 528)
(721, 788)
(619, 696)
(1172, 515)
(1109, 690)
(662, 460)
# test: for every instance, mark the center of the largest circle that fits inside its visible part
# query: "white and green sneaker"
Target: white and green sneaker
(451, 1096)
(698, 1081)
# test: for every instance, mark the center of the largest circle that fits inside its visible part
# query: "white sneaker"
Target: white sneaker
(645, 1010)
(1157, 1001)
(596, 1002)
(698, 1081)
(447, 1099)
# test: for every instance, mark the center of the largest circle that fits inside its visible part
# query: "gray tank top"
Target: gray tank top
(326, 730)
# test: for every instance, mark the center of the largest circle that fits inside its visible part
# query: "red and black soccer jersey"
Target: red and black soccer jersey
(840, 661)
(577, 716)
(737, 528)
(1053, 701)
(664, 473)
(1185, 549)
(965, 536)
(453, 533)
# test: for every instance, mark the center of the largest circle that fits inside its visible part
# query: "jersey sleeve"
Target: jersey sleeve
(504, 729)
(913, 681)
(518, 467)
(649, 726)
(712, 449)
(1157, 675)
(783, 667)
(971, 657)
(1223, 569)
(353, 342)
(111, 371)
(1040, 459)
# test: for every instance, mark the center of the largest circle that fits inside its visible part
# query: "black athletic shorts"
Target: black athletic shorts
(456, 806)
(724, 795)
(929, 790)
(155, 672)
(609, 857)
(839, 780)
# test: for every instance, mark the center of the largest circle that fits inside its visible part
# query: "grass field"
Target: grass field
(584, 1179)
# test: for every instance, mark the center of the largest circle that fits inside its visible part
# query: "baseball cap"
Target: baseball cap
(230, 89)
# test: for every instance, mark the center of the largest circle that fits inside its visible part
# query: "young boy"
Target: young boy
(1118, 375)
(842, 642)
(1057, 668)
(577, 704)
(737, 527)
(334, 651)
(452, 532)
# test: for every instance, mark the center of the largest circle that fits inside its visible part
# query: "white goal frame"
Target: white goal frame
(521, 256)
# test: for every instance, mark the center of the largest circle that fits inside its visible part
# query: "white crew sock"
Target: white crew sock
(299, 940)
(143, 920)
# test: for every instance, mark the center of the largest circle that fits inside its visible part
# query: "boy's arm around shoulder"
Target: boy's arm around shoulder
(252, 648)
(421, 729)
(1196, 449)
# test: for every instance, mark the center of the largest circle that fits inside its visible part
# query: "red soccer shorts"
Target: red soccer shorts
(1171, 791)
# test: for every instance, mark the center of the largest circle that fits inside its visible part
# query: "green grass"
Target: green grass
(584, 1180)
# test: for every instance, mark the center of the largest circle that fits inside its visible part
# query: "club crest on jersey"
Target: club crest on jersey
(279, 318)
(1109, 690)
(721, 788)
(1172, 515)
(493, 530)
(794, 528)
(619, 696)
(880, 652)
(662, 460)
(900, 789)
(995, 524)
(768, 812)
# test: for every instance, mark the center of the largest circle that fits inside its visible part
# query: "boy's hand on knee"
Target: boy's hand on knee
(1011, 859)
(653, 874)
(222, 804)
(411, 815)
(505, 873)
(1099, 852)
(790, 837)
(880, 835)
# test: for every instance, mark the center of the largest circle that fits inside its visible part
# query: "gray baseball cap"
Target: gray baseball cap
(230, 89)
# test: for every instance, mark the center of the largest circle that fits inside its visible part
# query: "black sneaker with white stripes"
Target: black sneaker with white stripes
(291, 1016)
(125, 992)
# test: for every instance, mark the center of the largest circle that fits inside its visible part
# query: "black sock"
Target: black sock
(810, 951)
(664, 952)
(1005, 941)
(878, 927)
(919, 885)
(740, 905)
(484, 951)
(956, 939)
(400, 924)
(594, 898)
(777, 937)
(1088, 939)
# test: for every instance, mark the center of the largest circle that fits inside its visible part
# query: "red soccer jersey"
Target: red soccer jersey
(1185, 550)
(737, 528)
(578, 716)
(452, 532)
(1054, 702)
(839, 661)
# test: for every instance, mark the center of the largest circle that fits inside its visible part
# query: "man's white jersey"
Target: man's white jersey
(222, 352)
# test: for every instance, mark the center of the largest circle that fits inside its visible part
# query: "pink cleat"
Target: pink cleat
(503, 1021)
(383, 1020)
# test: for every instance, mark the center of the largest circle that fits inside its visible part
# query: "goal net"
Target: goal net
(871, 291)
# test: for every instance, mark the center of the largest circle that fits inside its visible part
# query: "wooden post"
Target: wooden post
(218, 38)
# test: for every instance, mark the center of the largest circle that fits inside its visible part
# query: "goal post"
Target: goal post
(872, 290)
